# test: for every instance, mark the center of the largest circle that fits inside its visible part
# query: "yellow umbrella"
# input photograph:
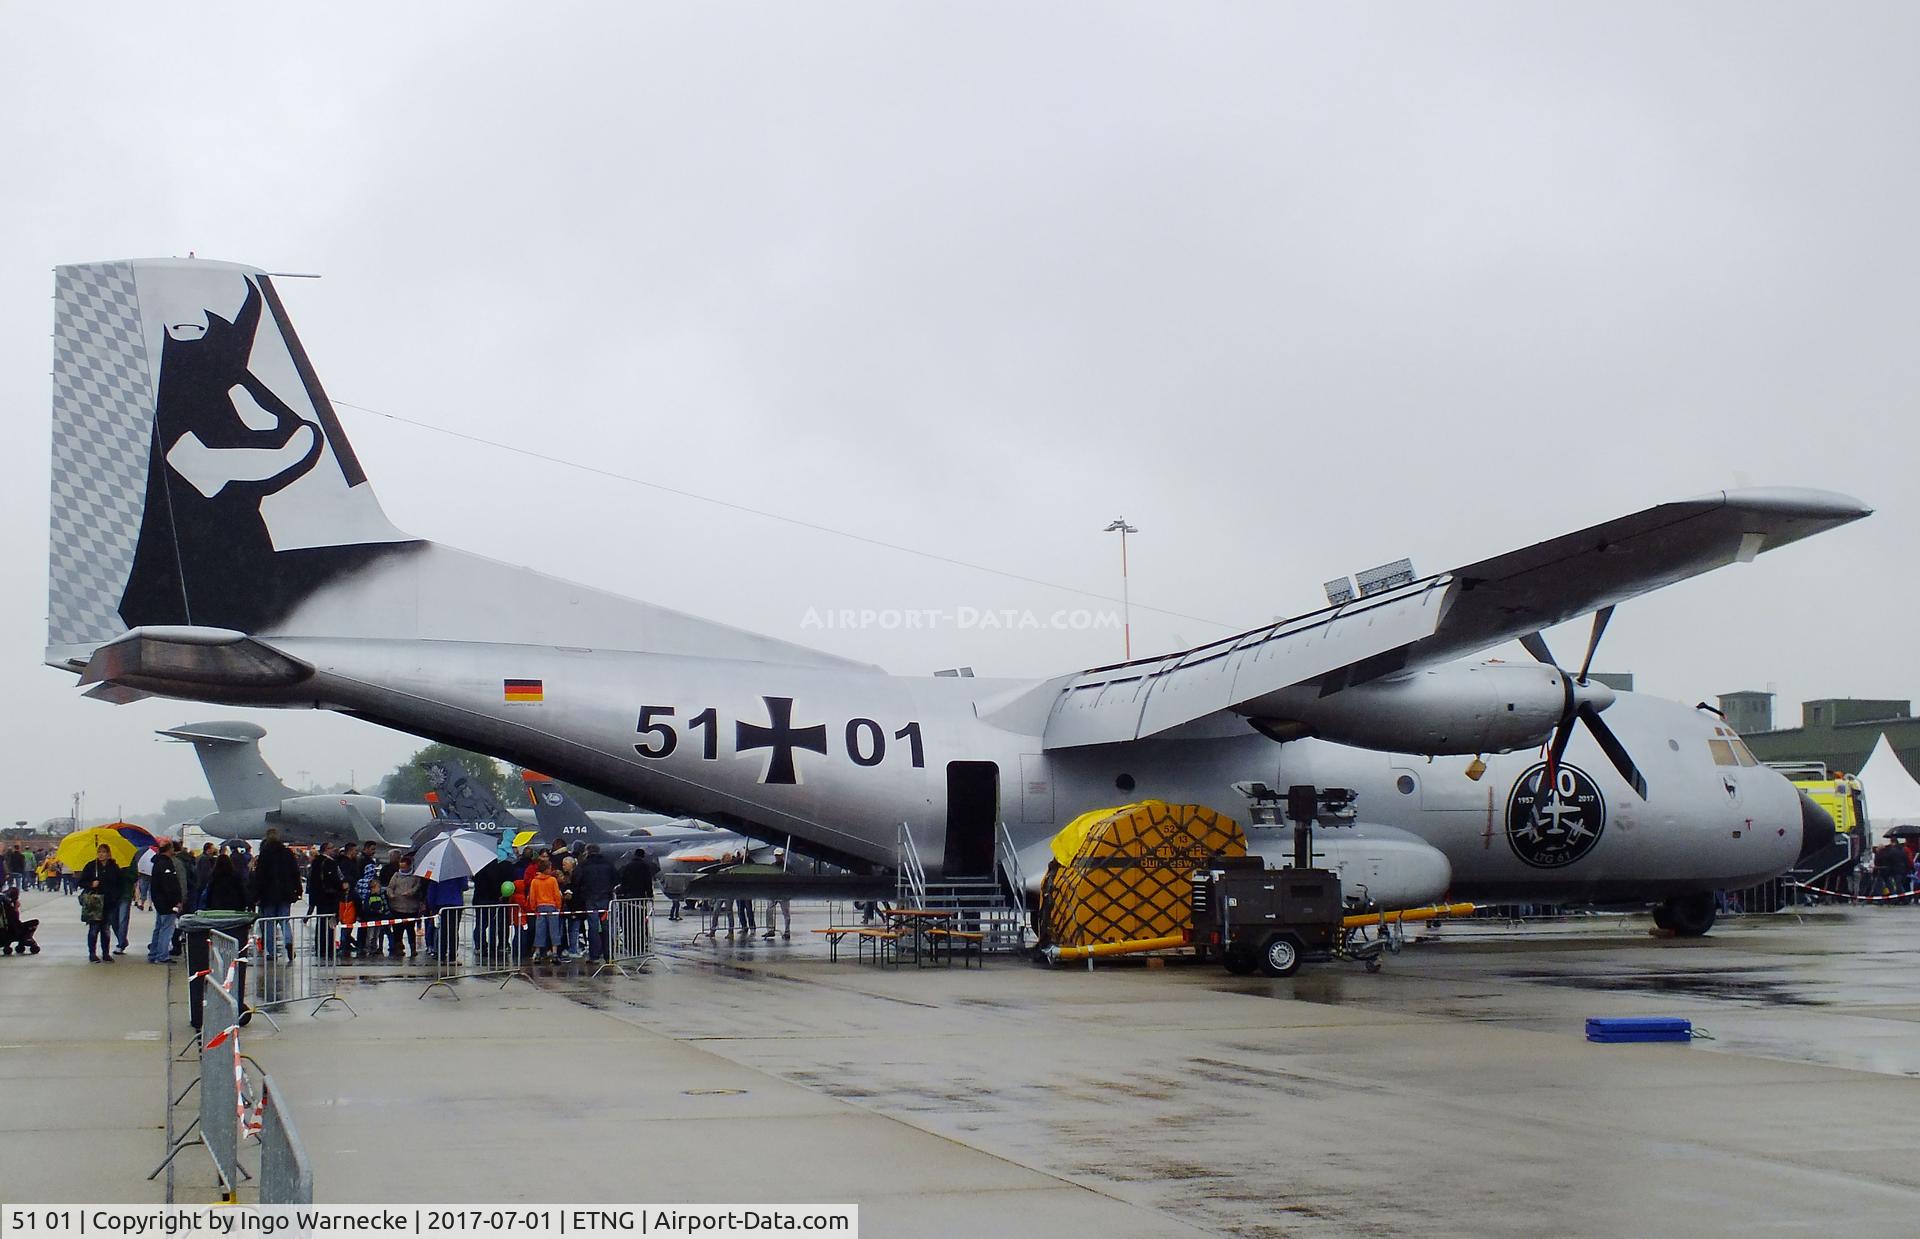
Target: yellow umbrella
(84, 845)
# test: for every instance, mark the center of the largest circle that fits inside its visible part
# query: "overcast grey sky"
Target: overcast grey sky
(1295, 289)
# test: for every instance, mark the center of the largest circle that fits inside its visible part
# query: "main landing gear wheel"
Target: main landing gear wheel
(1688, 916)
(1280, 957)
(1240, 961)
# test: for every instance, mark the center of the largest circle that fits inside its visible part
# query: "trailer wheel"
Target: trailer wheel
(1280, 957)
(1239, 960)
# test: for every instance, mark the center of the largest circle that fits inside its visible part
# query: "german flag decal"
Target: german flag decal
(523, 691)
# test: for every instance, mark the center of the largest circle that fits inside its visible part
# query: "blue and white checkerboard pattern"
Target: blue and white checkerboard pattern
(102, 431)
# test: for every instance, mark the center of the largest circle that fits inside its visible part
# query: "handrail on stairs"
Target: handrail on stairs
(913, 873)
(1007, 860)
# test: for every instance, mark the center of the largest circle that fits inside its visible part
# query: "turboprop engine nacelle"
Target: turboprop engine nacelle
(1382, 865)
(1455, 708)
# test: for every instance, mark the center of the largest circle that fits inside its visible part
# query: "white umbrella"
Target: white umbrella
(458, 854)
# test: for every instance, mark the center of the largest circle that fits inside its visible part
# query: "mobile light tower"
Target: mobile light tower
(1126, 599)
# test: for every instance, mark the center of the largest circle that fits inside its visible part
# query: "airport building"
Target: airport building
(1840, 731)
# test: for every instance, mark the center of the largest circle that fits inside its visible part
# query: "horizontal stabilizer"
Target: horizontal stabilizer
(163, 657)
(115, 694)
(221, 731)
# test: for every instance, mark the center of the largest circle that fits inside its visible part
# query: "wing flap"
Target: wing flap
(1138, 699)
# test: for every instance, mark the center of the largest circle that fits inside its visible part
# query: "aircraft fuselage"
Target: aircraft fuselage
(842, 760)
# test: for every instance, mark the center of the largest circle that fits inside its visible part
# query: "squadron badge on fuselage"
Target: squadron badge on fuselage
(1552, 827)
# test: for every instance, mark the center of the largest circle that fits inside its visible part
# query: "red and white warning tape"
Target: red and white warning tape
(251, 1123)
(397, 920)
(247, 1125)
(1851, 898)
(226, 986)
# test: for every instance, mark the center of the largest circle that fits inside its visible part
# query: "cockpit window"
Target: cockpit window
(1729, 749)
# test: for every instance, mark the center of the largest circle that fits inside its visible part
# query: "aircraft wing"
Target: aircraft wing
(1442, 617)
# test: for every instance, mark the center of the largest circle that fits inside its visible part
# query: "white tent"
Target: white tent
(1893, 797)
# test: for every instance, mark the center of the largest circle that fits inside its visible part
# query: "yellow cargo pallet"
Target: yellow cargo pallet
(1125, 875)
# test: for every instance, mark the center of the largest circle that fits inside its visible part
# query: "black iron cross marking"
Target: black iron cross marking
(782, 737)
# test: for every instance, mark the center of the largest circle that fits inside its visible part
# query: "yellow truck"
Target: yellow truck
(1841, 795)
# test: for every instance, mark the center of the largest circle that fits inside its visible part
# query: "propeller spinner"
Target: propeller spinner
(1584, 702)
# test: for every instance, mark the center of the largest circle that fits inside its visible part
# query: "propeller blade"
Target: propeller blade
(1537, 646)
(1556, 750)
(1616, 752)
(1600, 619)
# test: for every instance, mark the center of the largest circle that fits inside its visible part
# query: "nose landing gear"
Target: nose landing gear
(1688, 916)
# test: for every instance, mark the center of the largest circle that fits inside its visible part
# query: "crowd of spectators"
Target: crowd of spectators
(557, 900)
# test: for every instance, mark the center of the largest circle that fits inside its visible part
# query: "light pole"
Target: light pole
(1126, 599)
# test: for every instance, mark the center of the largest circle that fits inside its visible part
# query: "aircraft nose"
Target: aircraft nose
(1816, 827)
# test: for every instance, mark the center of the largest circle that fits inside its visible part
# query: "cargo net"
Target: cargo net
(1130, 872)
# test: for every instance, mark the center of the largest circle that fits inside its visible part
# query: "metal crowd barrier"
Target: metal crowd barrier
(485, 939)
(228, 1111)
(221, 1083)
(496, 940)
(222, 1101)
(1779, 895)
(222, 1094)
(626, 932)
(296, 960)
(286, 1174)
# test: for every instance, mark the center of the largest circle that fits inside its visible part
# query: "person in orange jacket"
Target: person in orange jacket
(543, 892)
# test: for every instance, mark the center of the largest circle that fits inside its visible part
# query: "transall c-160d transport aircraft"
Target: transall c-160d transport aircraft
(213, 538)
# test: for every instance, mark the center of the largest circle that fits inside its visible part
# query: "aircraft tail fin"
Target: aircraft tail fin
(200, 476)
(464, 799)
(203, 486)
(229, 754)
(558, 815)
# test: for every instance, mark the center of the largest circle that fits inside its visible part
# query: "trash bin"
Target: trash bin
(199, 927)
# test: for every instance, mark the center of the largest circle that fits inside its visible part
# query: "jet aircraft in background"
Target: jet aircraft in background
(239, 556)
(250, 799)
(561, 817)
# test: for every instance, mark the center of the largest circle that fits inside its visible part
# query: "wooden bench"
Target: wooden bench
(833, 935)
(973, 945)
(885, 942)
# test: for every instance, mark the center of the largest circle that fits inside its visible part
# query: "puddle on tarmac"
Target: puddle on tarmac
(1742, 987)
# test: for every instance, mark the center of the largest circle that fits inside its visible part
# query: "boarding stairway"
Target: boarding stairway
(990, 904)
